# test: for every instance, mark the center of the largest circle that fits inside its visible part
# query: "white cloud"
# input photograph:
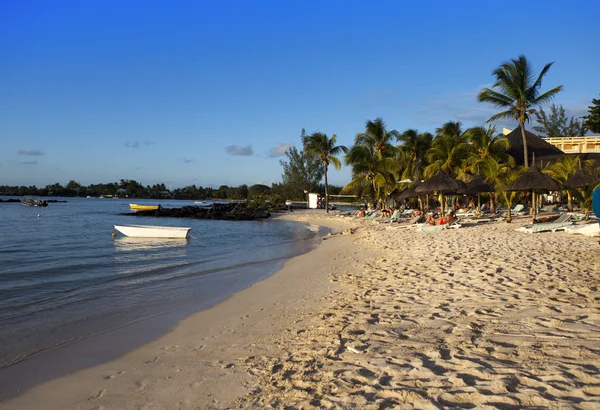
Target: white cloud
(280, 149)
(237, 150)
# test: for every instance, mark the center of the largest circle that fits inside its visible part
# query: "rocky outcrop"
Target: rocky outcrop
(233, 211)
(49, 201)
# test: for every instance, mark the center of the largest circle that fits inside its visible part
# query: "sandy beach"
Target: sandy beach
(377, 317)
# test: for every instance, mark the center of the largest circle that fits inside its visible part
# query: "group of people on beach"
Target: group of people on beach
(433, 214)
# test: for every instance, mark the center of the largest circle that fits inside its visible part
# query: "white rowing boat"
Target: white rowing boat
(149, 231)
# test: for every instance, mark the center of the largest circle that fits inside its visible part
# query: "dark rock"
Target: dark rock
(233, 211)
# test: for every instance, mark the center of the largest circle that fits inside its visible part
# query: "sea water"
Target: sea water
(65, 279)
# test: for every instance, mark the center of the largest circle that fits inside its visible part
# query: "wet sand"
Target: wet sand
(378, 317)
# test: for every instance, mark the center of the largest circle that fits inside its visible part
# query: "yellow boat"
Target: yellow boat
(135, 207)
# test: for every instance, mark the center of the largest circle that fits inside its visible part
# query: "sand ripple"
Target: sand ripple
(478, 317)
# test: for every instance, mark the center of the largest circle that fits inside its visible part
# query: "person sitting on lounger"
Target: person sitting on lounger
(444, 220)
(362, 212)
(431, 220)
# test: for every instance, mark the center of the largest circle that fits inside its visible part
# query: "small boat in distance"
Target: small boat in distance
(149, 231)
(33, 202)
(135, 207)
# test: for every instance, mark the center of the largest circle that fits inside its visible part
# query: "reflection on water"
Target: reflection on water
(312, 227)
(149, 254)
(128, 244)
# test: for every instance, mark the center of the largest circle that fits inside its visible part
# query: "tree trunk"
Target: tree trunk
(570, 201)
(525, 157)
(509, 216)
(326, 194)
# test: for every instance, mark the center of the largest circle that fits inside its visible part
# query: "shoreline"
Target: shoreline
(213, 331)
(379, 317)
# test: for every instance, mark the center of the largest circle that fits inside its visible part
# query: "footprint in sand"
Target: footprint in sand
(97, 396)
(141, 385)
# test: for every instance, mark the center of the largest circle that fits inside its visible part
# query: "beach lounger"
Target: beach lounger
(412, 223)
(393, 218)
(577, 217)
(469, 213)
(373, 215)
(519, 209)
(407, 212)
(560, 224)
(434, 228)
(590, 229)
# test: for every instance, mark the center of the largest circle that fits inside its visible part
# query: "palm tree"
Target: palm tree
(448, 150)
(562, 170)
(372, 176)
(495, 173)
(372, 161)
(324, 148)
(584, 197)
(504, 178)
(415, 147)
(378, 137)
(486, 143)
(517, 93)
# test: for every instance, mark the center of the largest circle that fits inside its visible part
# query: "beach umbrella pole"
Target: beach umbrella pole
(533, 204)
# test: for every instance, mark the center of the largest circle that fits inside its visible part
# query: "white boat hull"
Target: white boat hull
(149, 231)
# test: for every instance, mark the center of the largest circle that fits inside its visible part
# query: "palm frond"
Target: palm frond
(495, 98)
(336, 162)
(504, 114)
(548, 95)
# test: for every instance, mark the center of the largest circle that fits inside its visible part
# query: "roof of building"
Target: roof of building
(535, 145)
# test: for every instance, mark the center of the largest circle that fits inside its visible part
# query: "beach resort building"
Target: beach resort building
(577, 145)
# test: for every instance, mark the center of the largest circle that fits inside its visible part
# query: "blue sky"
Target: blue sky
(213, 92)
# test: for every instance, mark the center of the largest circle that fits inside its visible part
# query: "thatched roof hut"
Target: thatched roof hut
(442, 183)
(535, 146)
(581, 180)
(534, 180)
(477, 185)
(408, 192)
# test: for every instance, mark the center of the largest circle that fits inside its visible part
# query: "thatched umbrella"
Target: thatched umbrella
(410, 191)
(442, 183)
(536, 182)
(476, 186)
(581, 180)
